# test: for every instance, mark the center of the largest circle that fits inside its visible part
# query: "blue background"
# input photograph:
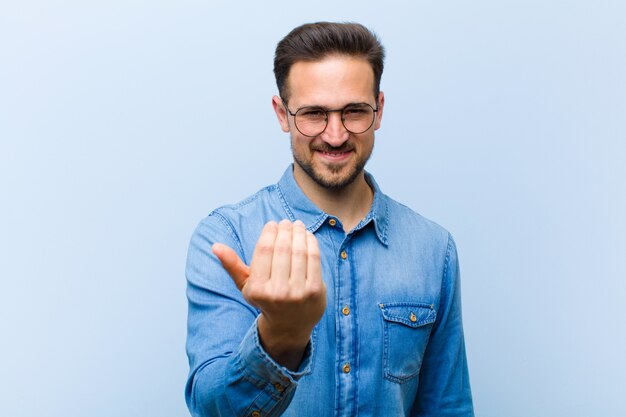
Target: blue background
(123, 123)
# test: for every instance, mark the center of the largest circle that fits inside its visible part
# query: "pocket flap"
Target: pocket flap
(409, 314)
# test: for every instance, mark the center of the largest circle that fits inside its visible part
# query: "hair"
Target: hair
(315, 41)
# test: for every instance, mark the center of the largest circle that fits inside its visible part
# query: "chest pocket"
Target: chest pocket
(406, 330)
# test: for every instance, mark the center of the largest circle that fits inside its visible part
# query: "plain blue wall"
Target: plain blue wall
(123, 123)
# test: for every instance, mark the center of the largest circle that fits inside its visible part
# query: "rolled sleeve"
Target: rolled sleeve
(230, 372)
(257, 377)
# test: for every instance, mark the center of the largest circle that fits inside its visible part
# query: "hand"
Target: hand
(284, 281)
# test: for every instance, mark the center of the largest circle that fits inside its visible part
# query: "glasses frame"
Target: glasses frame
(332, 111)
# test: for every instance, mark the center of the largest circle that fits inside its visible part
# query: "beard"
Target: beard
(336, 176)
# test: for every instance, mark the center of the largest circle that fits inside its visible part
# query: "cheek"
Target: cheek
(367, 145)
(298, 145)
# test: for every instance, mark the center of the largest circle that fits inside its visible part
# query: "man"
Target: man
(319, 295)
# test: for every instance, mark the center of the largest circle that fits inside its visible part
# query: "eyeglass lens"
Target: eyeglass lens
(312, 121)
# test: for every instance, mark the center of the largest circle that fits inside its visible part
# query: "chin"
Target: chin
(334, 179)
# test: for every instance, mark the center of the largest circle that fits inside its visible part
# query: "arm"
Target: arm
(444, 388)
(233, 354)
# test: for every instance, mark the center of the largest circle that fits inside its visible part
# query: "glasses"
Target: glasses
(312, 121)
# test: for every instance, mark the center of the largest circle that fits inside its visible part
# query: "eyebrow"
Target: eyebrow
(326, 108)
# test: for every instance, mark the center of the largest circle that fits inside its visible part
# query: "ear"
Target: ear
(281, 113)
(379, 114)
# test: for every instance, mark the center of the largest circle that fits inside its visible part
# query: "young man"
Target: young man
(319, 295)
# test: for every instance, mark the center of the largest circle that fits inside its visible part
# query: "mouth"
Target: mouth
(334, 155)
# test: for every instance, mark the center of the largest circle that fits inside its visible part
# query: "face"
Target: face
(336, 157)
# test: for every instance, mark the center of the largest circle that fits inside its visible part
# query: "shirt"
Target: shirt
(390, 342)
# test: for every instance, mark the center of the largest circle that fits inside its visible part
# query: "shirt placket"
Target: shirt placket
(345, 316)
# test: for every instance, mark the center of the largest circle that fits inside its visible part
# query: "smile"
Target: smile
(335, 155)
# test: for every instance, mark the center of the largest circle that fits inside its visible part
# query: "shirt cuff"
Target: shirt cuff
(264, 372)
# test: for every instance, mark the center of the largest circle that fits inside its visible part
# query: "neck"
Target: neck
(350, 204)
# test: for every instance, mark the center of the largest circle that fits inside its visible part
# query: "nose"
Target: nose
(335, 133)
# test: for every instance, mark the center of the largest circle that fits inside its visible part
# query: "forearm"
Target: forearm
(248, 380)
(232, 373)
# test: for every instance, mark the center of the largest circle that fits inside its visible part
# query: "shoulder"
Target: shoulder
(249, 205)
(238, 225)
(419, 238)
(250, 208)
(402, 217)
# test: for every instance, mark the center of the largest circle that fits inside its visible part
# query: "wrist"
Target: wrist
(285, 345)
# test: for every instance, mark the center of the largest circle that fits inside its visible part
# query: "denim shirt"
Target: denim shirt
(390, 342)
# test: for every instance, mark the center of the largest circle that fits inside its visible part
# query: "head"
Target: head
(316, 41)
(329, 66)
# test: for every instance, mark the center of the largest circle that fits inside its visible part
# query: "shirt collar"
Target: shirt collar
(298, 206)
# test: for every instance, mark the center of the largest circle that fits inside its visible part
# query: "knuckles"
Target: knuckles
(314, 256)
(265, 249)
(282, 249)
(299, 252)
(283, 296)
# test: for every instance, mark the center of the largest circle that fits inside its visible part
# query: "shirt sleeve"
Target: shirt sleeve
(230, 374)
(444, 387)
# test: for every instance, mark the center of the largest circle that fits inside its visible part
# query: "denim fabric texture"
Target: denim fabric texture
(390, 342)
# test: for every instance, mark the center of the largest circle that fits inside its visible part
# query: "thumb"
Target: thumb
(232, 263)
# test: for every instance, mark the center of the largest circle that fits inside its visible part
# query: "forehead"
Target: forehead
(333, 81)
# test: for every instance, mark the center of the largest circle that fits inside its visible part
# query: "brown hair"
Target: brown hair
(315, 41)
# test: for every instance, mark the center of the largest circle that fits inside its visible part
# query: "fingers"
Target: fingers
(314, 266)
(261, 264)
(286, 257)
(281, 262)
(231, 262)
(298, 254)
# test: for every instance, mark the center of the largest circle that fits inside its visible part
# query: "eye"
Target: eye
(356, 111)
(312, 113)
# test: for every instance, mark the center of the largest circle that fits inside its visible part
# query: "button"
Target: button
(412, 317)
(332, 222)
(279, 387)
(255, 414)
(345, 310)
(346, 368)
(344, 255)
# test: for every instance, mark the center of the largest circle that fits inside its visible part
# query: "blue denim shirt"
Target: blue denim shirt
(390, 342)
